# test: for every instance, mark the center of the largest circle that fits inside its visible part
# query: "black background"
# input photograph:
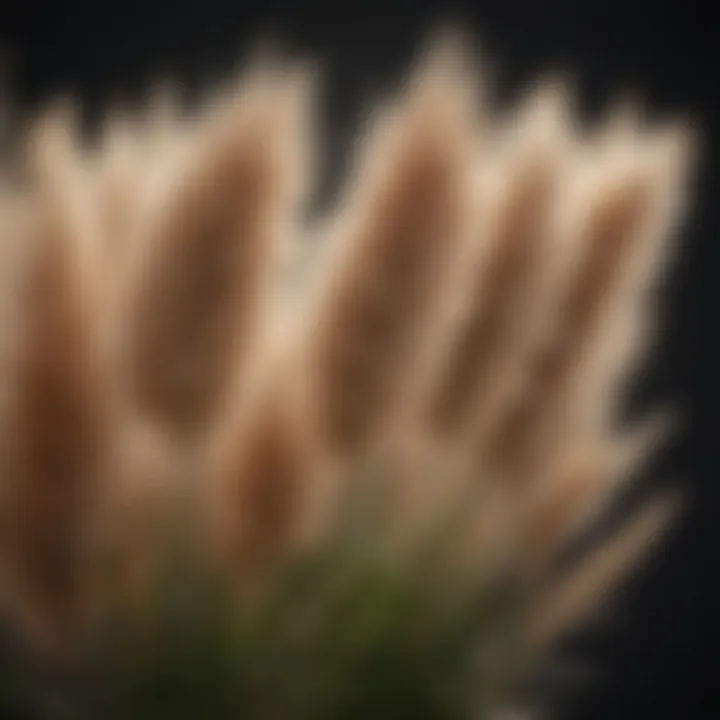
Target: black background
(661, 659)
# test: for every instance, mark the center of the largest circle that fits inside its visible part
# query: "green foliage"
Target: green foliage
(358, 640)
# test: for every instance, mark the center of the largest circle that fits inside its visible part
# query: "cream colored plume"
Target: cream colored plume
(482, 294)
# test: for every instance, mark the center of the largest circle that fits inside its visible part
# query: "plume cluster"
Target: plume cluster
(455, 358)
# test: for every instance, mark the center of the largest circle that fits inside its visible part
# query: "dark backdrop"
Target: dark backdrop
(661, 657)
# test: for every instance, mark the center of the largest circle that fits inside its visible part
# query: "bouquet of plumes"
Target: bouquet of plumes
(434, 369)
